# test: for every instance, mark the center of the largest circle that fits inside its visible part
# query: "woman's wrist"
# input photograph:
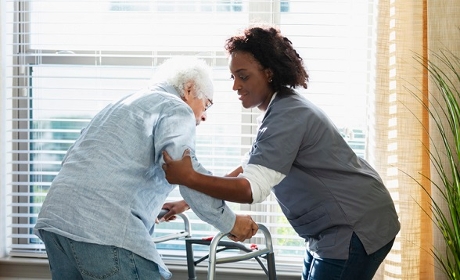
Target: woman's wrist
(186, 206)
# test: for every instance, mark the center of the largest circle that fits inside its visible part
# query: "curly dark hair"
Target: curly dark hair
(273, 51)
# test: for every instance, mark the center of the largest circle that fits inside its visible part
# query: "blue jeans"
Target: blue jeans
(71, 260)
(359, 264)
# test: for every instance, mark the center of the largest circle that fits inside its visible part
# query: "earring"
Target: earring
(270, 80)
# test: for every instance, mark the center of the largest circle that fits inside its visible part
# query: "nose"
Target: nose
(236, 85)
(204, 116)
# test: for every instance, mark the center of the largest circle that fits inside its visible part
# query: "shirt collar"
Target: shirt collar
(271, 100)
(165, 88)
(261, 116)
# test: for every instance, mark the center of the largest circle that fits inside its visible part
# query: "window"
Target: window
(67, 59)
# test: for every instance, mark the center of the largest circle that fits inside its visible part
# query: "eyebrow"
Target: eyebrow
(239, 70)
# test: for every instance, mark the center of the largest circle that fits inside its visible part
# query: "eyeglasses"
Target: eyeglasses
(208, 104)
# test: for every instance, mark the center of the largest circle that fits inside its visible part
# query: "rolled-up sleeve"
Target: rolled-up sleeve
(262, 180)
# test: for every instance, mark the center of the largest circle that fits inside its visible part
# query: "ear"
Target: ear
(269, 74)
(188, 91)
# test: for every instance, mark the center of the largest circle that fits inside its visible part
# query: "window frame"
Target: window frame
(24, 65)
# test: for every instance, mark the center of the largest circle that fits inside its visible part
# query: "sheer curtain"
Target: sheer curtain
(407, 29)
(443, 34)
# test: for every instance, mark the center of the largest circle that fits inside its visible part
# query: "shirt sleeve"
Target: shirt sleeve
(211, 210)
(279, 136)
(262, 180)
(175, 133)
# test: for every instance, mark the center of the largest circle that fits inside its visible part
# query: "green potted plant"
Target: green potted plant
(444, 109)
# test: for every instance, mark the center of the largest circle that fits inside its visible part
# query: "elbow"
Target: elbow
(248, 196)
(246, 192)
(243, 195)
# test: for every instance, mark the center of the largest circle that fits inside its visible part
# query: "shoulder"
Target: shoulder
(293, 104)
(158, 100)
(295, 110)
(291, 98)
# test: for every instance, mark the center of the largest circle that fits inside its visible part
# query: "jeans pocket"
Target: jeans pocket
(51, 237)
(96, 261)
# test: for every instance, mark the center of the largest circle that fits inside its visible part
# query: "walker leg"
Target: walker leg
(271, 266)
(190, 261)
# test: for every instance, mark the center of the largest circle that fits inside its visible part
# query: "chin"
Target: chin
(249, 106)
(246, 105)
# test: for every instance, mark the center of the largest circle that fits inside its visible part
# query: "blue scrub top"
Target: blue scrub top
(328, 192)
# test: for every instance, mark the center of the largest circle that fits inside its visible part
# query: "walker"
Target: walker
(216, 245)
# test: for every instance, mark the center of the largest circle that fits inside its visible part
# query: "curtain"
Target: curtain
(443, 34)
(408, 29)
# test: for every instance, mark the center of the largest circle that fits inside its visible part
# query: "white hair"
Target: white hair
(178, 71)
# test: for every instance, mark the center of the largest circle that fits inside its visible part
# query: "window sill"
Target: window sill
(36, 268)
(24, 268)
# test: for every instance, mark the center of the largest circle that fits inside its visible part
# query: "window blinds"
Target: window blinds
(67, 59)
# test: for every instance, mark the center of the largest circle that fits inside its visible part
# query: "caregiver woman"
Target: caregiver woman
(331, 197)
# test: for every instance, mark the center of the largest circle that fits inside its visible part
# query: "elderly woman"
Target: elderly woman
(99, 214)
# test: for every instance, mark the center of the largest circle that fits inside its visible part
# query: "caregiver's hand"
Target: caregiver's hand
(178, 171)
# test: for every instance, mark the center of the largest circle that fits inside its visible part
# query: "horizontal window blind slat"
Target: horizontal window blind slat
(23, 215)
(27, 253)
(24, 194)
(28, 247)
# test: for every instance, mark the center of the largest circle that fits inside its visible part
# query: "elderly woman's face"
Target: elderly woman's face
(198, 105)
(250, 80)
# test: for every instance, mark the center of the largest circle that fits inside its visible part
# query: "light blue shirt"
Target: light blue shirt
(111, 186)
